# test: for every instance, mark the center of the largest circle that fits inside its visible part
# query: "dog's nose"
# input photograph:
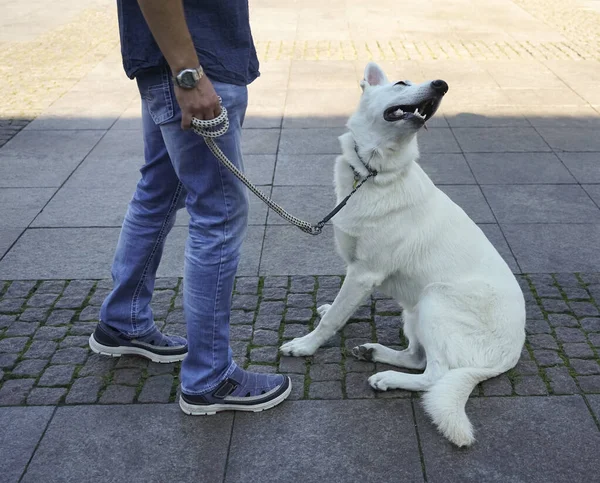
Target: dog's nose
(440, 86)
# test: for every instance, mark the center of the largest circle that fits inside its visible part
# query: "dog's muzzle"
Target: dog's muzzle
(422, 111)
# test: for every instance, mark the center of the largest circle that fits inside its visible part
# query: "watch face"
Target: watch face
(188, 79)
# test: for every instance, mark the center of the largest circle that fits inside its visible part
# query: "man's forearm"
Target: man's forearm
(167, 23)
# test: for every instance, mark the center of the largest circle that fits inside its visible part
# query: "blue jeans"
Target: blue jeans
(180, 171)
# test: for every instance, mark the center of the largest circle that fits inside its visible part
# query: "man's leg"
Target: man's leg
(127, 325)
(218, 207)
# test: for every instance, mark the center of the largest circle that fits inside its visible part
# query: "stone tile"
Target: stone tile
(328, 74)
(247, 285)
(8, 236)
(302, 284)
(551, 439)
(591, 324)
(471, 200)
(314, 170)
(44, 158)
(156, 389)
(497, 386)
(541, 204)
(310, 141)
(325, 372)
(13, 344)
(21, 205)
(578, 350)
(265, 108)
(569, 334)
(20, 431)
(530, 386)
(357, 386)
(19, 289)
(562, 320)
(327, 355)
(554, 247)
(240, 332)
(339, 104)
(496, 237)
(84, 390)
(325, 390)
(297, 387)
(46, 396)
(30, 367)
(71, 355)
(583, 166)
(439, 140)
(9, 305)
(546, 357)
(14, 391)
(128, 377)
(561, 381)
(585, 367)
(20, 328)
(289, 251)
(262, 369)
(116, 394)
(313, 425)
(584, 309)
(259, 169)
(298, 315)
(292, 365)
(137, 461)
(60, 317)
(518, 168)
(264, 354)
(447, 169)
(571, 139)
(542, 341)
(537, 327)
(588, 384)
(499, 140)
(33, 315)
(486, 117)
(305, 202)
(40, 349)
(87, 253)
(265, 337)
(260, 141)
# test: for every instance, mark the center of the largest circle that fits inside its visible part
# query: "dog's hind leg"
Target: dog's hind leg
(357, 285)
(413, 357)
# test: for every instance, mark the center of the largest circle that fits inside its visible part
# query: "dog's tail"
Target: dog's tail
(445, 402)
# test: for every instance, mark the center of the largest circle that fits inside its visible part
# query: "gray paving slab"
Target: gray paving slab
(310, 203)
(447, 168)
(496, 237)
(7, 237)
(328, 74)
(438, 140)
(308, 169)
(20, 431)
(265, 107)
(594, 400)
(287, 250)
(310, 141)
(531, 439)
(572, 138)
(88, 443)
(98, 171)
(259, 168)
(260, 141)
(333, 437)
(499, 140)
(471, 200)
(484, 116)
(546, 248)
(44, 159)
(21, 205)
(585, 167)
(518, 168)
(311, 108)
(561, 117)
(594, 191)
(541, 204)
(87, 253)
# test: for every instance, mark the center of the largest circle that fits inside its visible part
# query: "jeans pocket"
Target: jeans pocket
(157, 92)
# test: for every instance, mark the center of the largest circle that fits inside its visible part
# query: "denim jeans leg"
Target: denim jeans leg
(150, 216)
(218, 207)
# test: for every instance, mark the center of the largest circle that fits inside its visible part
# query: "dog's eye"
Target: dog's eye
(402, 83)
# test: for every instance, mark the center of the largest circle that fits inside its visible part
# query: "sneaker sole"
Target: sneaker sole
(134, 351)
(196, 410)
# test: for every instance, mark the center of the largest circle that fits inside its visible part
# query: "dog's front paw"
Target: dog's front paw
(363, 352)
(302, 346)
(323, 309)
(382, 381)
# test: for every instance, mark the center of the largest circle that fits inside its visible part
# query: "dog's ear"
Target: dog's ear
(373, 76)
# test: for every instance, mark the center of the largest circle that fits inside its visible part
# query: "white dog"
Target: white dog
(463, 309)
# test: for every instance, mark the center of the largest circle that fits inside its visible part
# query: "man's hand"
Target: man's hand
(200, 102)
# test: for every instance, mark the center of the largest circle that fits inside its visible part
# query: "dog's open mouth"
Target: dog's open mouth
(417, 112)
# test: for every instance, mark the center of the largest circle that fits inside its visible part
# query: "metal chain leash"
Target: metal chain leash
(209, 130)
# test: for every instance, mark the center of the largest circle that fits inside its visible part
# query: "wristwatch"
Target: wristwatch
(188, 78)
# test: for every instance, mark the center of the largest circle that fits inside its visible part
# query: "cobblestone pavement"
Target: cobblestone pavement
(45, 326)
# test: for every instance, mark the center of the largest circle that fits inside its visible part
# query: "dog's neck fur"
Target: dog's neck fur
(390, 160)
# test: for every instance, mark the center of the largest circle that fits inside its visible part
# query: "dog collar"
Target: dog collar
(357, 175)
